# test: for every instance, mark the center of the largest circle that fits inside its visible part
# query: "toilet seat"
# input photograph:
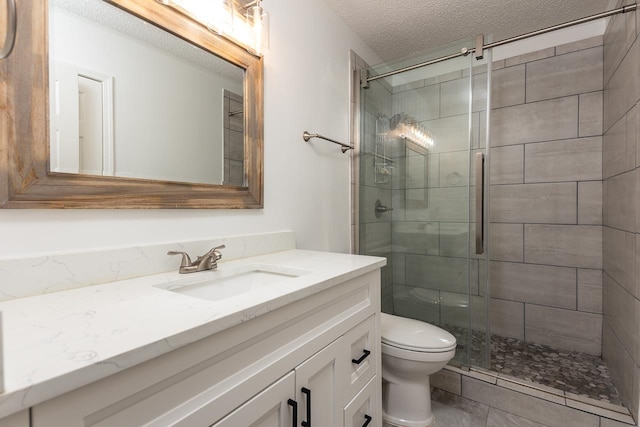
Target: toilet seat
(417, 356)
(414, 336)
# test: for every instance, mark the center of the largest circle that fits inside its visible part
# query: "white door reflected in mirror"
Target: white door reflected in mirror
(82, 121)
(131, 100)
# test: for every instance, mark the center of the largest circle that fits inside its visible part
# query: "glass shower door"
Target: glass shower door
(420, 131)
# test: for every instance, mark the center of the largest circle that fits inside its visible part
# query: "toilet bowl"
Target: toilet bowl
(411, 351)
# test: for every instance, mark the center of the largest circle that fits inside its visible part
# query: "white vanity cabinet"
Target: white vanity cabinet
(21, 419)
(272, 407)
(323, 349)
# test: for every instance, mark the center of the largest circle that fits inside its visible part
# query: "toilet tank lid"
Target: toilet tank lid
(415, 335)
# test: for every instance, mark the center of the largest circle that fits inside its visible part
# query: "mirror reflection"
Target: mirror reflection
(131, 100)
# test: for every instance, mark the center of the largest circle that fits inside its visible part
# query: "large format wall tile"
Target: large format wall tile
(434, 272)
(623, 90)
(580, 45)
(437, 204)
(534, 203)
(454, 237)
(615, 45)
(454, 169)
(613, 354)
(455, 96)
(529, 57)
(620, 201)
(539, 121)
(532, 408)
(454, 310)
(416, 303)
(506, 242)
(450, 133)
(571, 246)
(507, 86)
(590, 290)
(507, 165)
(621, 312)
(570, 160)
(416, 237)
(506, 318)
(620, 257)
(375, 238)
(537, 284)
(590, 119)
(618, 153)
(590, 202)
(421, 104)
(570, 74)
(566, 329)
(398, 261)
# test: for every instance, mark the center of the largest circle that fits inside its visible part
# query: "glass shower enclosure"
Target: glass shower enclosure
(422, 179)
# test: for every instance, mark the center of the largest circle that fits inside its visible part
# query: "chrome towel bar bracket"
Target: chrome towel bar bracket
(344, 147)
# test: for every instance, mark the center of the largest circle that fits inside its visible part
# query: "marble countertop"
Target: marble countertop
(55, 343)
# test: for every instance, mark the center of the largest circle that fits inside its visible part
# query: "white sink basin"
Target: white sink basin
(223, 284)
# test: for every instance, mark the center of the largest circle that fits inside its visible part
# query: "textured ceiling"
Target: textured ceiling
(396, 28)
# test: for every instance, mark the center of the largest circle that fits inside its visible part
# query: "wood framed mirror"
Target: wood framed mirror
(26, 176)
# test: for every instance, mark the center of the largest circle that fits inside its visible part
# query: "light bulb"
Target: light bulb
(258, 20)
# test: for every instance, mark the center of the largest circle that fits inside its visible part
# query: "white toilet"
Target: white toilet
(411, 351)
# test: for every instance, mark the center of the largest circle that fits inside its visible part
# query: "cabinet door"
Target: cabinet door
(21, 419)
(270, 408)
(319, 387)
(364, 409)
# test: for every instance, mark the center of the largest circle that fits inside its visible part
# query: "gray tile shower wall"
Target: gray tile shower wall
(546, 234)
(621, 215)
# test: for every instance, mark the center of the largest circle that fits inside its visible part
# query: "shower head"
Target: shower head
(394, 121)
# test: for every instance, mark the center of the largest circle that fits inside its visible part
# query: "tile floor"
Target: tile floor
(451, 410)
(570, 371)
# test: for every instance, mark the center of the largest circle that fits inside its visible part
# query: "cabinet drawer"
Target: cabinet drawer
(362, 345)
(365, 409)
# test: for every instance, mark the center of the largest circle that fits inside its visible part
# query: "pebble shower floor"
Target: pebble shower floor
(569, 371)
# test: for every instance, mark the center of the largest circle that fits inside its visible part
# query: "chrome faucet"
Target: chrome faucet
(208, 261)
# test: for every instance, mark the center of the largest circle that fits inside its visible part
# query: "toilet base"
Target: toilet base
(396, 422)
(406, 403)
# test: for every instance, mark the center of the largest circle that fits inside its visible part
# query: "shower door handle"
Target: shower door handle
(479, 160)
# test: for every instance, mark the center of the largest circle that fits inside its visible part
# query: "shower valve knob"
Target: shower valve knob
(380, 209)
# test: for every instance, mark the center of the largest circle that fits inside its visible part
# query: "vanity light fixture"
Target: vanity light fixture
(258, 20)
(246, 25)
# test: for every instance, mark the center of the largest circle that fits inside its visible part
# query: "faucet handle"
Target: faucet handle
(186, 260)
(215, 251)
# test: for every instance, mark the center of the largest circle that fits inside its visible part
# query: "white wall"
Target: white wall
(306, 184)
